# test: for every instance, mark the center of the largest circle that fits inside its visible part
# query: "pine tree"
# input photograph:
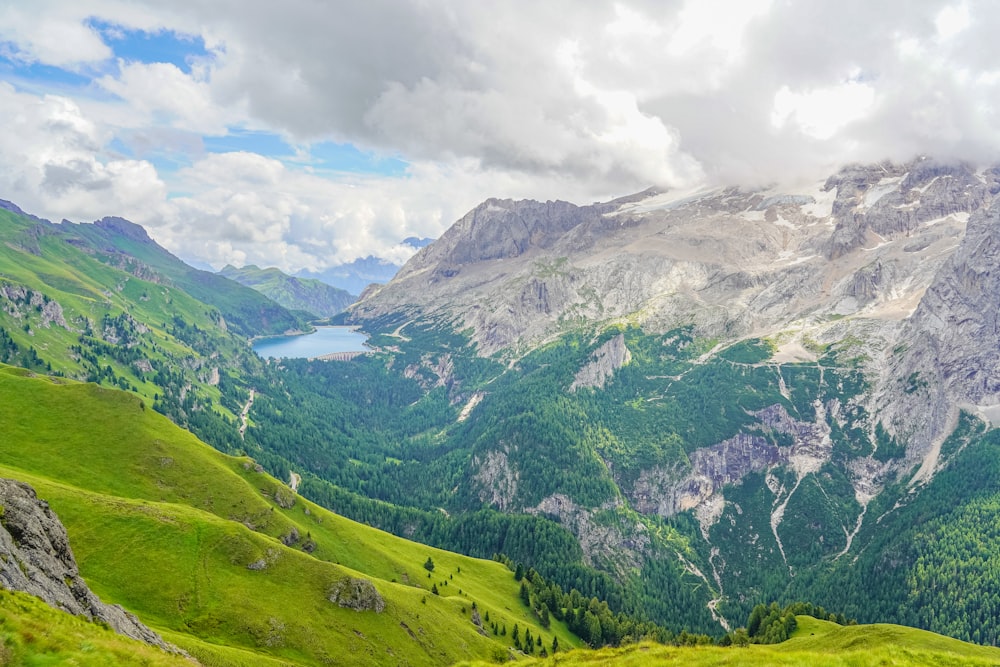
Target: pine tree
(434, 589)
(429, 564)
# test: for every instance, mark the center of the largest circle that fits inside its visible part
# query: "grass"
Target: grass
(815, 643)
(167, 527)
(34, 634)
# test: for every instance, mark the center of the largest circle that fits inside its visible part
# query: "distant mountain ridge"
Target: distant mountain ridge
(301, 294)
(355, 276)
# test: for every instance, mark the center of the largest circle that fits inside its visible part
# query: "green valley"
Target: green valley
(642, 481)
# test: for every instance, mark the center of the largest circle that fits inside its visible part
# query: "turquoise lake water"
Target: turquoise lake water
(325, 340)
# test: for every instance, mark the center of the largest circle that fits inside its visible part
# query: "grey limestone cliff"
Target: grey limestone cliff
(606, 359)
(36, 558)
(948, 357)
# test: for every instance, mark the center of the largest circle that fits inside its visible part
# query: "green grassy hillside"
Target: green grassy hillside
(33, 633)
(74, 302)
(815, 642)
(226, 561)
(124, 244)
(296, 294)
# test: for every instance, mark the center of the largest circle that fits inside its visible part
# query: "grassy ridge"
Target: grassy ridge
(815, 642)
(167, 527)
(33, 633)
(295, 294)
(249, 312)
(90, 295)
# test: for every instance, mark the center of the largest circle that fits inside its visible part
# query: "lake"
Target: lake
(325, 340)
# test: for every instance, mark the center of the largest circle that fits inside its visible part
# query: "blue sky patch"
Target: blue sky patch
(263, 143)
(329, 155)
(323, 155)
(37, 77)
(163, 46)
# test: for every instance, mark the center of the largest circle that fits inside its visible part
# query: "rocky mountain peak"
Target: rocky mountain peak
(888, 200)
(125, 228)
(732, 261)
(496, 229)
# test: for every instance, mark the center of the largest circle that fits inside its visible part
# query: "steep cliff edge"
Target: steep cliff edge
(36, 558)
(947, 358)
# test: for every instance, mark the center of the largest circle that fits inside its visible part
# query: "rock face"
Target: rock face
(619, 548)
(668, 491)
(357, 594)
(496, 477)
(606, 359)
(35, 558)
(947, 357)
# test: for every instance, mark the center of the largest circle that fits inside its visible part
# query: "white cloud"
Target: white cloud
(558, 99)
(63, 40)
(161, 94)
(820, 112)
(54, 164)
(952, 20)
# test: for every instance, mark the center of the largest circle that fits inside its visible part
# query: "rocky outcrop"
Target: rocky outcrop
(890, 200)
(670, 490)
(497, 229)
(605, 360)
(478, 622)
(123, 227)
(357, 594)
(496, 478)
(35, 558)
(29, 305)
(615, 545)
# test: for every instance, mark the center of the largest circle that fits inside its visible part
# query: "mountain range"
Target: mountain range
(672, 407)
(356, 275)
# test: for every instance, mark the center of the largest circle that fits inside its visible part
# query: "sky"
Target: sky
(304, 134)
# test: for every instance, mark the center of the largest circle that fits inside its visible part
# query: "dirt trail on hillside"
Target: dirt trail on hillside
(244, 414)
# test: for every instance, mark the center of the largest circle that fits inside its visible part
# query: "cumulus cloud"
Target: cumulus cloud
(580, 101)
(160, 93)
(255, 210)
(54, 162)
